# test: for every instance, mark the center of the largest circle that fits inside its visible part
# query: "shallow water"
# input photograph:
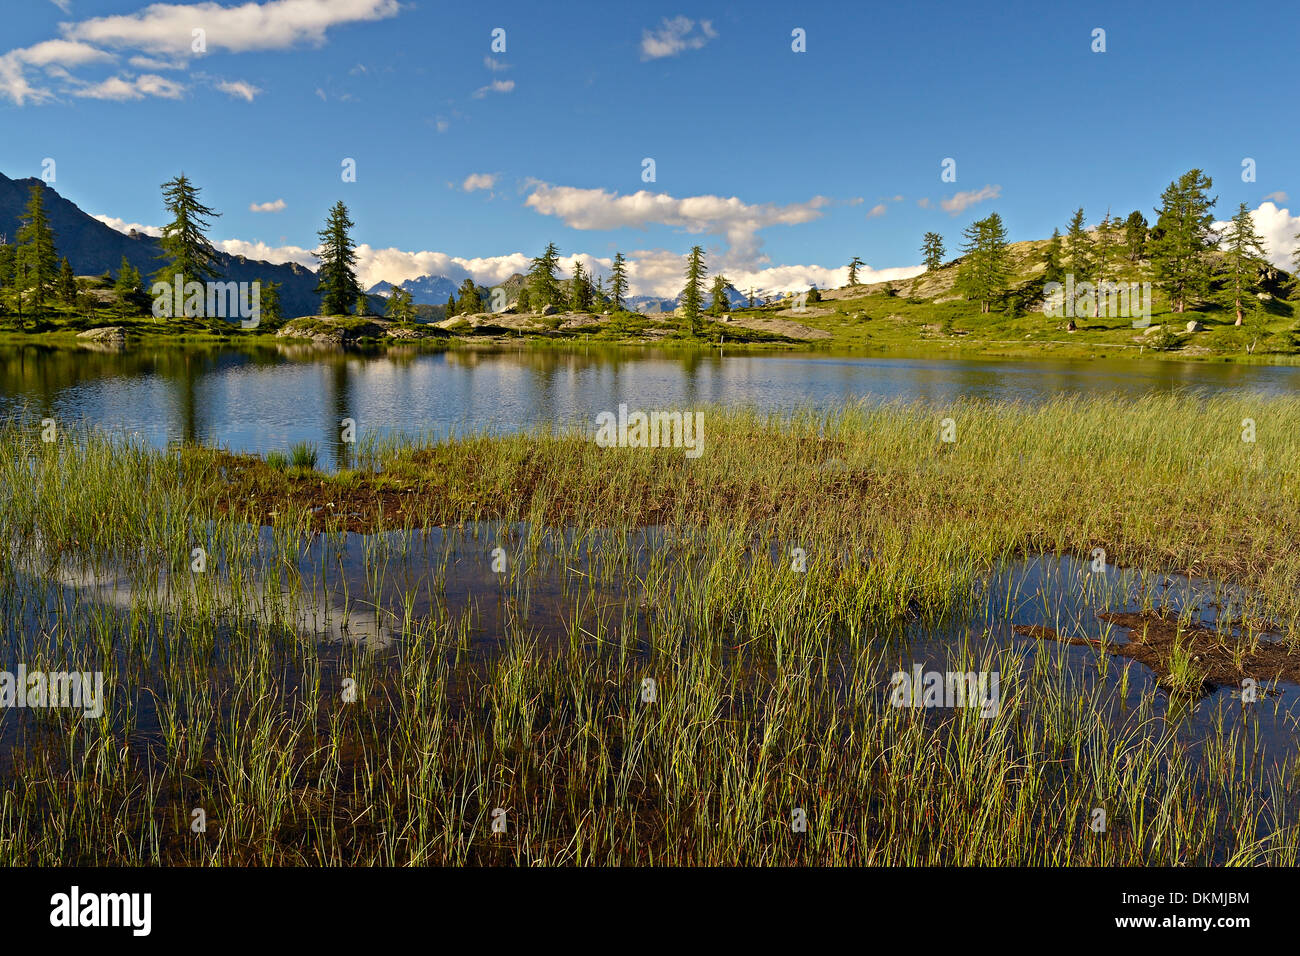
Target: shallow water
(273, 397)
(377, 591)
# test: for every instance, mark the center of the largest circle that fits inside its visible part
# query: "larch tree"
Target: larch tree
(1053, 270)
(1105, 246)
(186, 251)
(933, 251)
(1183, 237)
(66, 284)
(693, 294)
(579, 289)
(338, 286)
(37, 260)
(128, 291)
(1078, 248)
(469, 302)
(718, 300)
(543, 285)
(1244, 256)
(985, 268)
(1135, 235)
(618, 282)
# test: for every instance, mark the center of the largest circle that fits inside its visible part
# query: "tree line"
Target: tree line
(33, 279)
(1178, 247)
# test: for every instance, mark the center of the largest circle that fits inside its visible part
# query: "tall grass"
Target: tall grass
(771, 685)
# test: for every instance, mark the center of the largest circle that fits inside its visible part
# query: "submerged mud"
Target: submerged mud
(1185, 655)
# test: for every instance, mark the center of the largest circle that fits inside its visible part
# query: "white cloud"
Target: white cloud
(736, 221)
(656, 272)
(123, 226)
(279, 24)
(479, 181)
(396, 266)
(1278, 229)
(441, 125)
(879, 209)
(276, 206)
(64, 52)
(496, 86)
(239, 89)
(1278, 196)
(53, 56)
(960, 201)
(659, 272)
(797, 278)
(161, 36)
(277, 255)
(674, 36)
(157, 63)
(64, 5)
(126, 88)
(495, 65)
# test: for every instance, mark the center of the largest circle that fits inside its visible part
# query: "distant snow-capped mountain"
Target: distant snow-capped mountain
(654, 303)
(434, 290)
(425, 290)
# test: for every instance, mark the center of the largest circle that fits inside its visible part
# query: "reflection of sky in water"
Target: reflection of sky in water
(272, 398)
(436, 576)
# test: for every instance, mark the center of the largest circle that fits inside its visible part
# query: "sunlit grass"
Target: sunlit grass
(771, 684)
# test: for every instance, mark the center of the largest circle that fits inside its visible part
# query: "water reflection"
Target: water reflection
(271, 397)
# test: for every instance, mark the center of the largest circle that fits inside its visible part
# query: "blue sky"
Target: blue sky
(782, 164)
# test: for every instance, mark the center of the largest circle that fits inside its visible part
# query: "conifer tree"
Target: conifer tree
(618, 282)
(1135, 235)
(543, 285)
(8, 258)
(1053, 271)
(400, 306)
(984, 272)
(272, 311)
(67, 284)
(1104, 246)
(932, 249)
(128, 294)
(469, 302)
(338, 286)
(579, 289)
(1078, 248)
(451, 307)
(186, 250)
(37, 261)
(1182, 238)
(854, 266)
(693, 295)
(1244, 255)
(718, 301)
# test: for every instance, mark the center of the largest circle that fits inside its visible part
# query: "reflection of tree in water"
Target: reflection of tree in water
(340, 404)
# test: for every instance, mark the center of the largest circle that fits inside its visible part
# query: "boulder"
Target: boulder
(111, 335)
(402, 333)
(1194, 326)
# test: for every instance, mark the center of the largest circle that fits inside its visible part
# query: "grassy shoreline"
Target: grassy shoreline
(772, 685)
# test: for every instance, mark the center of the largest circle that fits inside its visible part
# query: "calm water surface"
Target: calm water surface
(273, 397)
